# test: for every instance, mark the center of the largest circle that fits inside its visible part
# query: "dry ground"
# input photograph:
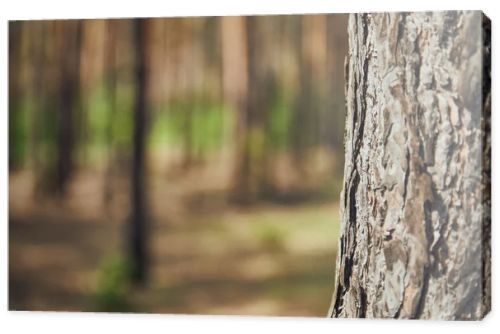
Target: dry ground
(207, 257)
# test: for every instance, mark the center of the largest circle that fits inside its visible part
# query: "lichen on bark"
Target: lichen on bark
(415, 205)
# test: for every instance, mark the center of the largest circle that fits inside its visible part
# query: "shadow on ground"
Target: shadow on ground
(261, 260)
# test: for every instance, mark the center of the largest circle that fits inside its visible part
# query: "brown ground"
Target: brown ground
(206, 257)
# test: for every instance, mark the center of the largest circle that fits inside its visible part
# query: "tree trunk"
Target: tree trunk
(16, 138)
(111, 91)
(415, 233)
(138, 252)
(249, 182)
(69, 92)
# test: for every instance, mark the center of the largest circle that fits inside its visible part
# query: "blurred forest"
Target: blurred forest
(176, 165)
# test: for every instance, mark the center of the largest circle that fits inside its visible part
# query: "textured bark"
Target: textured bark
(415, 233)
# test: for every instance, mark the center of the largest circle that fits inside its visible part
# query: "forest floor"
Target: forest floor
(207, 257)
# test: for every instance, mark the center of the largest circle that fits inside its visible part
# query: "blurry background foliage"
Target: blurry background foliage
(182, 165)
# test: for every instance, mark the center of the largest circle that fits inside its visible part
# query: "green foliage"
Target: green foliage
(122, 121)
(46, 144)
(18, 134)
(279, 122)
(270, 236)
(113, 286)
(103, 118)
(256, 149)
(98, 120)
(201, 121)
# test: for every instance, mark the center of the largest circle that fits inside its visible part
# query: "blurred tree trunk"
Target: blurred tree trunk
(69, 91)
(111, 81)
(311, 52)
(234, 61)
(39, 89)
(250, 156)
(336, 44)
(138, 228)
(189, 75)
(301, 115)
(235, 88)
(16, 138)
(415, 235)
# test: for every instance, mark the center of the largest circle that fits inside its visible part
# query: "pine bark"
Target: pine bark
(415, 231)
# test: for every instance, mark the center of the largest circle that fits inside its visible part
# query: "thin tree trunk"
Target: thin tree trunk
(16, 140)
(250, 181)
(336, 44)
(138, 253)
(415, 234)
(69, 91)
(311, 52)
(110, 64)
(39, 94)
